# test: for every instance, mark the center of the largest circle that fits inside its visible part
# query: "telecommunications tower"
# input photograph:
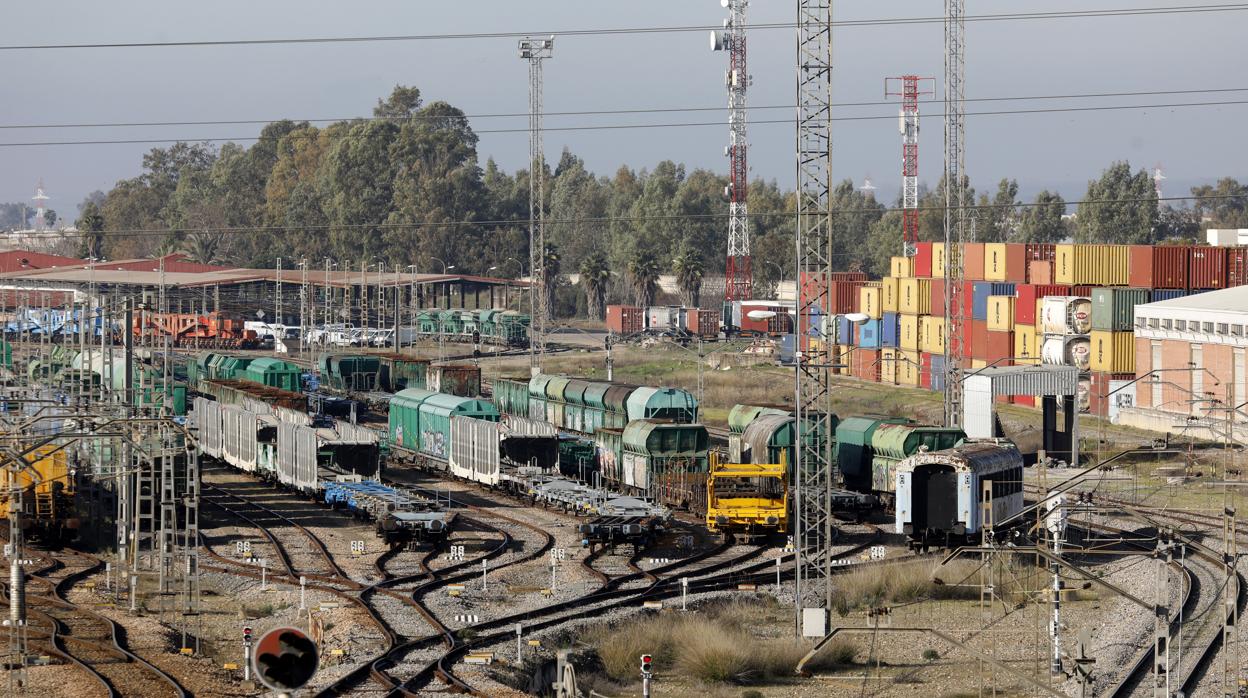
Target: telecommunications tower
(739, 277)
(911, 88)
(535, 51)
(41, 207)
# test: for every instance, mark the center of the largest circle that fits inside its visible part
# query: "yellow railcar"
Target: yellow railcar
(45, 490)
(747, 498)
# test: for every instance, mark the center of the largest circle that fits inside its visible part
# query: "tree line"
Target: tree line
(407, 189)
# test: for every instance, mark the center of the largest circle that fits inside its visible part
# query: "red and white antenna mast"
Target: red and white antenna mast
(910, 92)
(739, 277)
(41, 207)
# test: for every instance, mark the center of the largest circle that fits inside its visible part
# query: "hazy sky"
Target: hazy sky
(631, 71)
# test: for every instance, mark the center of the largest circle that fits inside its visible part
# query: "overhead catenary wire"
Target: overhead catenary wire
(520, 222)
(616, 127)
(869, 22)
(594, 112)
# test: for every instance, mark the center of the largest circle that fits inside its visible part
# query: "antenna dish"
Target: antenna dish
(761, 314)
(717, 40)
(723, 3)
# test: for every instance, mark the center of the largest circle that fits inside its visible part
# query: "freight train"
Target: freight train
(42, 496)
(66, 368)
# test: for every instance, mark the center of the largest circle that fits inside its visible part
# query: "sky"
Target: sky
(1059, 151)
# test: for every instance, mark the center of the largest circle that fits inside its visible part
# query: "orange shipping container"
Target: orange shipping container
(973, 261)
(1040, 272)
(625, 319)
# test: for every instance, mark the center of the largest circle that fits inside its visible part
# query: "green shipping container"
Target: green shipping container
(1113, 309)
(892, 443)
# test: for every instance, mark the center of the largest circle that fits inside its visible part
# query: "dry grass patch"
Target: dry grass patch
(878, 585)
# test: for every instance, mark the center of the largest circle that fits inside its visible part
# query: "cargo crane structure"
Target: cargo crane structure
(955, 205)
(909, 90)
(813, 462)
(739, 275)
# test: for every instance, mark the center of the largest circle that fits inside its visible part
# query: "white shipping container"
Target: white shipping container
(1066, 315)
(1067, 350)
(1121, 394)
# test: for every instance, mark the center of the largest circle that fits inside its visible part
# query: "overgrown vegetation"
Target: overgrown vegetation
(714, 646)
(872, 586)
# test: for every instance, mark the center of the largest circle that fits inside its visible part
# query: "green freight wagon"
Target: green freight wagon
(6, 354)
(232, 368)
(349, 372)
(455, 379)
(512, 396)
(427, 322)
(666, 461)
(740, 416)
(854, 452)
(662, 403)
(770, 438)
(511, 329)
(893, 443)
(420, 420)
(275, 373)
(399, 372)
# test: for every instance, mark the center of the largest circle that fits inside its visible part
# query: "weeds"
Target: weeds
(906, 583)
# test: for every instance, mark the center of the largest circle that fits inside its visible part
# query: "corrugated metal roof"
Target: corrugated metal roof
(26, 260)
(1024, 380)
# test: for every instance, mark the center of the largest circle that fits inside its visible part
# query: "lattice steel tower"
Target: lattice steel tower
(739, 274)
(955, 204)
(908, 124)
(535, 51)
(813, 399)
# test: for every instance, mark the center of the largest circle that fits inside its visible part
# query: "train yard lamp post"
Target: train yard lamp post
(414, 300)
(519, 275)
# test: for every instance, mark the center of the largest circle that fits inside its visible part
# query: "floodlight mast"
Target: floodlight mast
(535, 51)
(739, 274)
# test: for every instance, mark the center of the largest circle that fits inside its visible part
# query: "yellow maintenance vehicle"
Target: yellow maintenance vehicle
(41, 489)
(747, 498)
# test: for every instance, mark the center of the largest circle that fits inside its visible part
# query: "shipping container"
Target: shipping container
(997, 347)
(889, 288)
(931, 334)
(1001, 313)
(1026, 346)
(1112, 352)
(779, 322)
(973, 261)
(702, 323)
(1040, 271)
(1236, 266)
(662, 318)
(938, 297)
(925, 370)
(923, 260)
(841, 361)
(843, 296)
(1040, 252)
(625, 319)
(1207, 267)
(845, 331)
(889, 333)
(978, 331)
(939, 377)
(1066, 315)
(908, 368)
(915, 296)
(1023, 400)
(1108, 393)
(1159, 266)
(910, 328)
(869, 334)
(1026, 297)
(1098, 265)
(981, 290)
(865, 364)
(871, 301)
(901, 267)
(1166, 294)
(1113, 309)
(1005, 262)
(888, 366)
(1066, 350)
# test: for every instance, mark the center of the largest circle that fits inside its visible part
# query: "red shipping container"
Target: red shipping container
(1163, 266)
(998, 347)
(1028, 294)
(925, 370)
(1081, 290)
(923, 260)
(979, 337)
(865, 364)
(973, 261)
(780, 323)
(1040, 251)
(848, 276)
(1040, 271)
(1236, 266)
(843, 297)
(704, 323)
(1013, 267)
(938, 297)
(625, 319)
(1207, 268)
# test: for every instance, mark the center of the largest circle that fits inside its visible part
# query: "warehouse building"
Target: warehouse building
(1191, 365)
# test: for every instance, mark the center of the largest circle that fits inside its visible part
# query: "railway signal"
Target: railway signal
(246, 653)
(646, 673)
(285, 659)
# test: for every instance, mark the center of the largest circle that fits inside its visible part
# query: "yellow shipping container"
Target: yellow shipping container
(994, 262)
(842, 359)
(911, 331)
(908, 368)
(901, 267)
(1113, 352)
(1096, 265)
(1026, 344)
(915, 296)
(932, 334)
(888, 366)
(977, 364)
(890, 285)
(938, 260)
(1001, 313)
(871, 301)
(1039, 316)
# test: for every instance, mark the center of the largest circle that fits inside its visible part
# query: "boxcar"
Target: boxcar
(420, 420)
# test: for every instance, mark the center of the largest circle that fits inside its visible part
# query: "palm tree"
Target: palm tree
(643, 275)
(550, 270)
(203, 247)
(689, 269)
(595, 274)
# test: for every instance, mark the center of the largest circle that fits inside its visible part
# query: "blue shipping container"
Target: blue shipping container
(890, 331)
(1165, 294)
(979, 296)
(788, 345)
(938, 372)
(869, 334)
(844, 330)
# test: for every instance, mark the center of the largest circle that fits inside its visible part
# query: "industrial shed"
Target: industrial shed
(1191, 368)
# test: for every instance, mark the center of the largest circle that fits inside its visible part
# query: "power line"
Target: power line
(596, 112)
(522, 222)
(617, 127)
(876, 22)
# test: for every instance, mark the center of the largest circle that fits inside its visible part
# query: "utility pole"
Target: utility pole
(535, 51)
(955, 204)
(812, 376)
(739, 279)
